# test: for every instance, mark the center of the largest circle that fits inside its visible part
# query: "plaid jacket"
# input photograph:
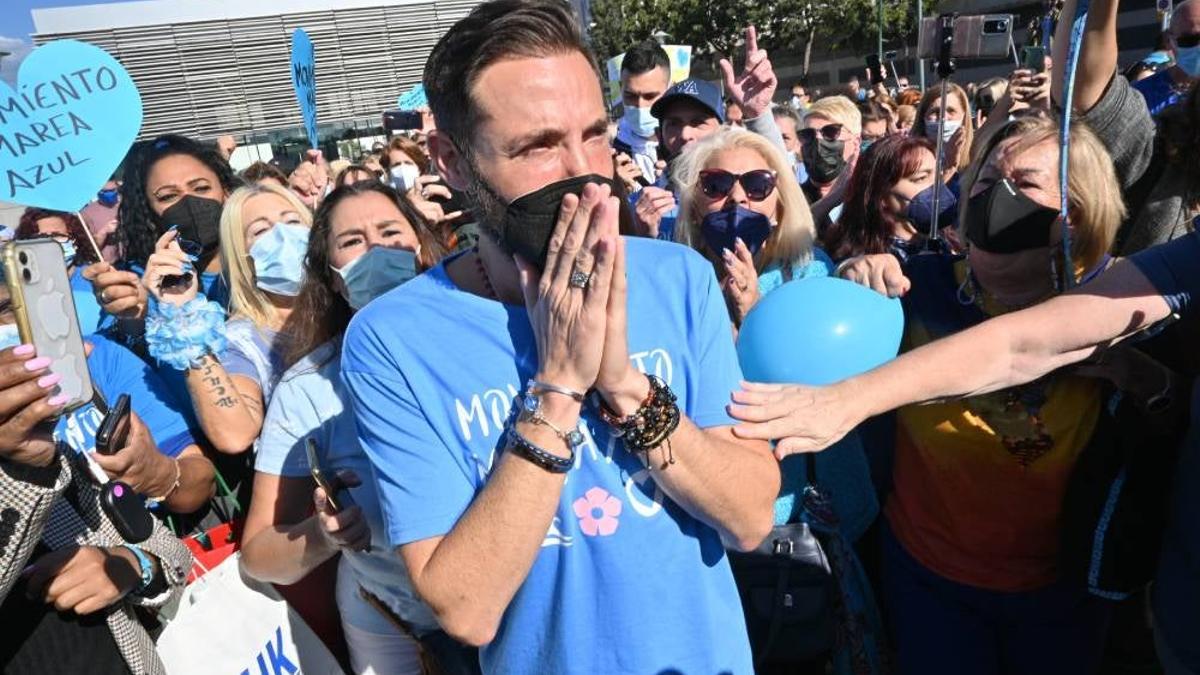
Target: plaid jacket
(60, 506)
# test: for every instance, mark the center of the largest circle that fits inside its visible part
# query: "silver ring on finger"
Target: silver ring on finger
(104, 296)
(579, 279)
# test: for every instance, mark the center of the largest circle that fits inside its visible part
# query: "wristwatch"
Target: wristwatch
(147, 568)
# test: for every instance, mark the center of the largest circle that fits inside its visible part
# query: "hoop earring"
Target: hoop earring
(967, 286)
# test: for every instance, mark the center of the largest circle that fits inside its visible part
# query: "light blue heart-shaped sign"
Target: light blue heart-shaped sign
(413, 98)
(304, 81)
(67, 125)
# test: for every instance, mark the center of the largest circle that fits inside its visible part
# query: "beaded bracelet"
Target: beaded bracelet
(651, 425)
(181, 336)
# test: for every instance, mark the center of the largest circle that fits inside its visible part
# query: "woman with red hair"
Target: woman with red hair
(68, 231)
(889, 201)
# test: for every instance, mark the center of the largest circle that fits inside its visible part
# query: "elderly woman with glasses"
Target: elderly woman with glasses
(741, 207)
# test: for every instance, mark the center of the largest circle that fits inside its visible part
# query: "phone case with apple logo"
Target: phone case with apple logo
(36, 275)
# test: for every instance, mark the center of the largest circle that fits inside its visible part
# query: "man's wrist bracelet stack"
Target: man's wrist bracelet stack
(526, 449)
(651, 424)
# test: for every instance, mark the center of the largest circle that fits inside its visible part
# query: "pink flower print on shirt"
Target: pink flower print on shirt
(597, 512)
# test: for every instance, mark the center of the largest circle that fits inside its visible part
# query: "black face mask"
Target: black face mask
(529, 221)
(1002, 219)
(198, 219)
(825, 160)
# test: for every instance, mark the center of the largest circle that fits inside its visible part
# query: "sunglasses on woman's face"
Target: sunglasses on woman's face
(717, 183)
(1188, 41)
(830, 132)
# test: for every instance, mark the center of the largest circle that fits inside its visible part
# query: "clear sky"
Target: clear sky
(16, 24)
(15, 21)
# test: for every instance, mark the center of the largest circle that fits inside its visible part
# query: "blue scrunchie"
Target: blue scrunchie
(180, 336)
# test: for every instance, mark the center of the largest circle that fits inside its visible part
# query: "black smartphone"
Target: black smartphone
(458, 201)
(1034, 58)
(114, 430)
(875, 69)
(127, 511)
(402, 120)
(338, 500)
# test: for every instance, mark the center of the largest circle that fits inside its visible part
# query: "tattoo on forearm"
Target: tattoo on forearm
(217, 385)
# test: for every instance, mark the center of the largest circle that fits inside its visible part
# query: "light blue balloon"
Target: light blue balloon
(67, 125)
(818, 331)
(304, 81)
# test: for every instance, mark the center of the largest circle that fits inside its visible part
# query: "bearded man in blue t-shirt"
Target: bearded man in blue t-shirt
(546, 414)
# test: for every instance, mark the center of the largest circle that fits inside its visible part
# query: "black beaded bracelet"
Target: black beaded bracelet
(523, 448)
(652, 424)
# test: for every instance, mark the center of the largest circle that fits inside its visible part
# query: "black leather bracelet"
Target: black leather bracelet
(523, 448)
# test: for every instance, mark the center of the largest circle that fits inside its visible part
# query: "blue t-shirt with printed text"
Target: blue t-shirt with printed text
(115, 370)
(625, 581)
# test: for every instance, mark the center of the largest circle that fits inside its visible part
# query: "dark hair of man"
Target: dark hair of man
(321, 313)
(261, 171)
(645, 57)
(493, 31)
(781, 111)
(140, 227)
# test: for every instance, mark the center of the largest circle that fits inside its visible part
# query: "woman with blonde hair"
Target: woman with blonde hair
(958, 132)
(741, 207)
(976, 518)
(231, 368)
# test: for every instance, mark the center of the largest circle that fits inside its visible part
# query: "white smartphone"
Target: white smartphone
(36, 275)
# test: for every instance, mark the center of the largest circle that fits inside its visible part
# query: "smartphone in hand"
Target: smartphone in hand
(35, 272)
(114, 430)
(1034, 58)
(338, 500)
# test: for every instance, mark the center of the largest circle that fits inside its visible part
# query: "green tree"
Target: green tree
(714, 28)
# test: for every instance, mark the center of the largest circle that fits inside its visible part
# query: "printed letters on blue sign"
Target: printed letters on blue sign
(66, 125)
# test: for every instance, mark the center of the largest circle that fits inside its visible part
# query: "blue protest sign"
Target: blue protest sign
(413, 99)
(67, 125)
(304, 81)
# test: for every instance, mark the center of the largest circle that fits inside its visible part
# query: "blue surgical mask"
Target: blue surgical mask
(866, 143)
(1188, 60)
(278, 258)
(107, 197)
(9, 336)
(376, 272)
(640, 121)
(920, 208)
(69, 252)
(722, 228)
(950, 128)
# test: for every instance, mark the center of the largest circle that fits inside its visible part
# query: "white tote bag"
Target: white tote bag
(229, 624)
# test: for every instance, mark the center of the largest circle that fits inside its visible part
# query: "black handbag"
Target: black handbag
(787, 591)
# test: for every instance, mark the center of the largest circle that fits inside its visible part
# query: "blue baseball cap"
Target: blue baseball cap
(700, 91)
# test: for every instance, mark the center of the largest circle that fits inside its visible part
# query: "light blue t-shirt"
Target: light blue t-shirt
(254, 352)
(625, 581)
(774, 275)
(310, 402)
(115, 370)
(92, 319)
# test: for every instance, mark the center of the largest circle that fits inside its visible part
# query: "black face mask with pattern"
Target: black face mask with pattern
(198, 220)
(1002, 219)
(528, 221)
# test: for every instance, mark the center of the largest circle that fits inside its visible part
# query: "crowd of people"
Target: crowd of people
(509, 345)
